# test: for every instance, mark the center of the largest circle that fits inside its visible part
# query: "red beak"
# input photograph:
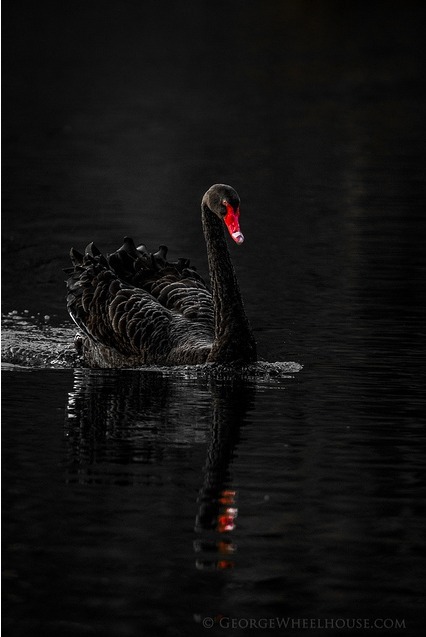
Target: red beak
(231, 220)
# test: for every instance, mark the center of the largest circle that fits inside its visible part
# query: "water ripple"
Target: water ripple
(31, 341)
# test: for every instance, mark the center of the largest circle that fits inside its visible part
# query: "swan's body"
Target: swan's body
(135, 308)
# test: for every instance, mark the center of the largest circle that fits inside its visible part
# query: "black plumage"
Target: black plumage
(133, 307)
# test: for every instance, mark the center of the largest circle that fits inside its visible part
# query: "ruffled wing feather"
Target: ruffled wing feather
(140, 305)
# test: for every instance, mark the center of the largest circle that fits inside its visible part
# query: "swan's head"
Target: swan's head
(224, 201)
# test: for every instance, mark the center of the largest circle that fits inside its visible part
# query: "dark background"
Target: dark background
(117, 116)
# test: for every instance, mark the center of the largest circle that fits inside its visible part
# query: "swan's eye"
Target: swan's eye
(224, 202)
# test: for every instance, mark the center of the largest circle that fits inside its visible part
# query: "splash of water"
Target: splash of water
(31, 341)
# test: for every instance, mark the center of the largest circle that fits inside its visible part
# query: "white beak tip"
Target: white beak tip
(238, 237)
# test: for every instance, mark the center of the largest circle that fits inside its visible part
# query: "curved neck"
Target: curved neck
(233, 337)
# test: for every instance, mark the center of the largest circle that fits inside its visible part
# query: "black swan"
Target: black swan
(135, 308)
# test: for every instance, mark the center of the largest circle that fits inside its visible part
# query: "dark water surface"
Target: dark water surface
(141, 502)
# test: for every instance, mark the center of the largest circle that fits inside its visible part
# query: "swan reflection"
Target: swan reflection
(120, 421)
(224, 522)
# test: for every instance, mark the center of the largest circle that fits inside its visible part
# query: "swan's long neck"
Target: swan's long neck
(233, 336)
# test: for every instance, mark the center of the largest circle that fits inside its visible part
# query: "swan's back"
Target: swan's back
(133, 307)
